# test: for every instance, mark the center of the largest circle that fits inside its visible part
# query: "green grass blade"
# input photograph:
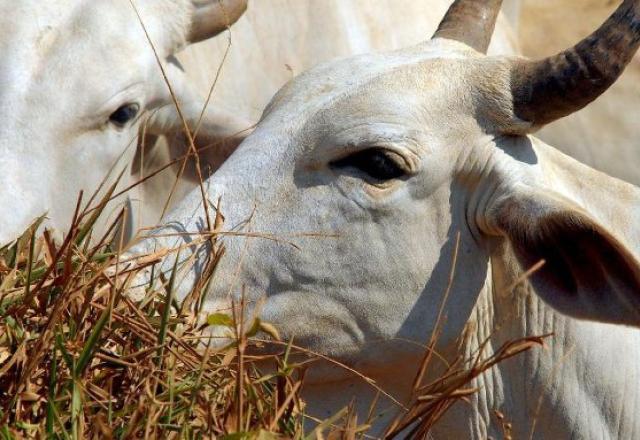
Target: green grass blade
(5, 434)
(88, 226)
(52, 395)
(65, 354)
(63, 431)
(92, 342)
(76, 408)
(164, 323)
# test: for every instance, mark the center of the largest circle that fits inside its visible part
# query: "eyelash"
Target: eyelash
(124, 114)
(376, 163)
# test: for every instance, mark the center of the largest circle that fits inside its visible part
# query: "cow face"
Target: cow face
(362, 171)
(77, 79)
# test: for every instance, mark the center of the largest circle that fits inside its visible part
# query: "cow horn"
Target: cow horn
(470, 22)
(210, 17)
(552, 88)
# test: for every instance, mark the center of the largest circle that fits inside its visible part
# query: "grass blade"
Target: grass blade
(52, 395)
(164, 323)
(65, 354)
(92, 343)
(97, 212)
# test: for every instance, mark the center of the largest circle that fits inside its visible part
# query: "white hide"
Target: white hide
(368, 293)
(277, 39)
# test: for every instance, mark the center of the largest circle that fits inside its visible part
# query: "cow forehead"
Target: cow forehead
(24, 26)
(33, 31)
(30, 17)
(354, 90)
(56, 49)
(31, 28)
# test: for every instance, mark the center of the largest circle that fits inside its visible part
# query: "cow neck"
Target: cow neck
(564, 390)
(572, 388)
(579, 383)
(583, 384)
(325, 400)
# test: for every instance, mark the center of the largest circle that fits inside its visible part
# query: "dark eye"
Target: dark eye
(125, 114)
(374, 162)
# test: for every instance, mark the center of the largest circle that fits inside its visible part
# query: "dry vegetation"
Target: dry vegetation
(79, 358)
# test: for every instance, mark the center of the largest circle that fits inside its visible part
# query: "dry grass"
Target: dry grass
(80, 359)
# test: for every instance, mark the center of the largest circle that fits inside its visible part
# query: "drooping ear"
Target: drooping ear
(217, 132)
(588, 273)
(186, 104)
(210, 123)
(210, 17)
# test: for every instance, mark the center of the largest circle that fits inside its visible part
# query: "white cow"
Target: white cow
(276, 39)
(74, 80)
(273, 41)
(397, 154)
(262, 58)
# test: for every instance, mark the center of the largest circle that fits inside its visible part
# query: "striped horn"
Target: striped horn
(470, 22)
(210, 17)
(552, 88)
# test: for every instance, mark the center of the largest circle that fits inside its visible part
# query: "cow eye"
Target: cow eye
(125, 114)
(376, 163)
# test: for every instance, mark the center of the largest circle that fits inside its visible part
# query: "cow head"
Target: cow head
(375, 165)
(77, 77)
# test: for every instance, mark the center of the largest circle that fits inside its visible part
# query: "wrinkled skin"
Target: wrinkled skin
(366, 296)
(68, 67)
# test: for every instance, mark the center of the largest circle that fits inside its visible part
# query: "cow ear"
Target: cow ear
(210, 17)
(587, 273)
(212, 122)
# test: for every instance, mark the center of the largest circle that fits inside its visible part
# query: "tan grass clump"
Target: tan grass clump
(80, 359)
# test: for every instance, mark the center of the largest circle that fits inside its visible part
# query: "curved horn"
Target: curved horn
(552, 88)
(470, 22)
(210, 17)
